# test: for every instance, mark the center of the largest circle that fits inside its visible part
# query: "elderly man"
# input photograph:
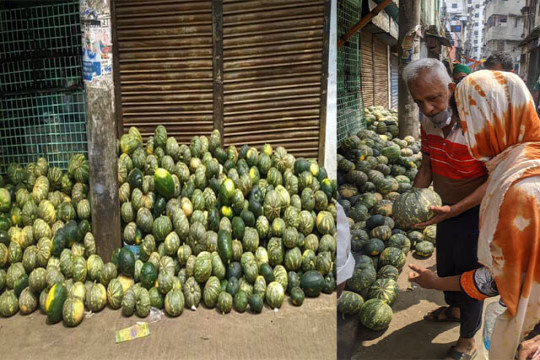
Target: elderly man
(460, 181)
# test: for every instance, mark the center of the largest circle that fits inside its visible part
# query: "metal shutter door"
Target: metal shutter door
(394, 67)
(366, 49)
(165, 65)
(272, 61)
(380, 73)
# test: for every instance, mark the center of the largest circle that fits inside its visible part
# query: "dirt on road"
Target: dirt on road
(307, 332)
(408, 336)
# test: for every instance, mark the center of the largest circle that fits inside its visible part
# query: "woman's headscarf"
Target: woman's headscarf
(502, 128)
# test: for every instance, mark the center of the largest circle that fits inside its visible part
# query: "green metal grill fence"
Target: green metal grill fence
(42, 102)
(349, 98)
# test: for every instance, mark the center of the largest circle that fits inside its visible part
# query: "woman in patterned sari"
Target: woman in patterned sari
(499, 120)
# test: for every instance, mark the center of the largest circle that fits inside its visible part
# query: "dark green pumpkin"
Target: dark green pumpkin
(240, 301)
(148, 275)
(225, 248)
(232, 285)
(256, 303)
(126, 262)
(135, 178)
(312, 282)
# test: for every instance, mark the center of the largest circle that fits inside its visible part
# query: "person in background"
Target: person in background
(499, 61)
(460, 181)
(502, 129)
(460, 72)
(435, 41)
(536, 95)
(345, 261)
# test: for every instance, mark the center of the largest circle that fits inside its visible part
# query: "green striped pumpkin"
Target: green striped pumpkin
(306, 223)
(383, 289)
(83, 209)
(350, 303)
(73, 312)
(212, 289)
(272, 205)
(275, 293)
(96, 297)
(413, 207)
(281, 276)
(66, 211)
(192, 293)
(325, 223)
(37, 281)
(174, 303)
(225, 302)
(79, 168)
(41, 189)
(203, 267)
(375, 314)
(293, 259)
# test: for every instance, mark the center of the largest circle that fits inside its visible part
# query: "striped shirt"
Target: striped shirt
(455, 173)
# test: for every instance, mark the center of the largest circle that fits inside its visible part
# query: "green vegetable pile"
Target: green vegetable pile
(376, 170)
(224, 228)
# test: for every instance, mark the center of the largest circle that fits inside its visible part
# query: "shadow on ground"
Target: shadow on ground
(408, 336)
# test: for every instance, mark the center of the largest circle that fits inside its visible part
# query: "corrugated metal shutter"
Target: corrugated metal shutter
(380, 73)
(165, 63)
(272, 60)
(394, 69)
(366, 49)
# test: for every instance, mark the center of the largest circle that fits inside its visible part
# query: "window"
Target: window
(469, 1)
(477, 6)
(476, 32)
(455, 28)
(476, 24)
(496, 20)
(475, 42)
(500, 45)
(454, 6)
(476, 15)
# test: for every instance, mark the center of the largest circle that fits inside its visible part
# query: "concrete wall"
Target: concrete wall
(460, 9)
(504, 7)
(480, 21)
(509, 32)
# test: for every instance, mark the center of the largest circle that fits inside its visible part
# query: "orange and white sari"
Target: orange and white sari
(502, 128)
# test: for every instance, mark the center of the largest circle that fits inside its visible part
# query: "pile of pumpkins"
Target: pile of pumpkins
(227, 228)
(376, 170)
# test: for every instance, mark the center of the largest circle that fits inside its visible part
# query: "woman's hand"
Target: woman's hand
(424, 277)
(441, 213)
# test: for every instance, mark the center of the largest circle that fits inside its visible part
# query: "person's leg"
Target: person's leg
(465, 244)
(445, 267)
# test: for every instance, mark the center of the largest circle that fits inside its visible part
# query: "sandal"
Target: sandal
(457, 355)
(448, 316)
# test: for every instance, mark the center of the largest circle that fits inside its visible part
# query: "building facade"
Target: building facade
(474, 43)
(530, 45)
(504, 27)
(455, 19)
